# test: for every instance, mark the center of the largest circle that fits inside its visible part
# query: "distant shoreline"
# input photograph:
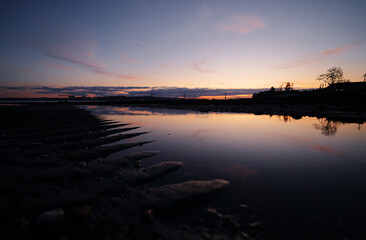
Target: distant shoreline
(344, 113)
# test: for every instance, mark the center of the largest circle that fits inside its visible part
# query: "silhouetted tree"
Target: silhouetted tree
(364, 77)
(273, 89)
(333, 75)
(280, 88)
(289, 86)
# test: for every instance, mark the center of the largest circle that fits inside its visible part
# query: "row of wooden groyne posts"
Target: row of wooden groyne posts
(57, 181)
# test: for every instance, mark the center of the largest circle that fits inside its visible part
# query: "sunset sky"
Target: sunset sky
(201, 47)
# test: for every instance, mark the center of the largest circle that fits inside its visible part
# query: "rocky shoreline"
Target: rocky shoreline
(57, 183)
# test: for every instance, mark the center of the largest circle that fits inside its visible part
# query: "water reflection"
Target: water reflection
(202, 134)
(327, 127)
(285, 118)
(117, 110)
(278, 166)
(308, 143)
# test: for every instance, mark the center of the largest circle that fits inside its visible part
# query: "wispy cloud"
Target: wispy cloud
(56, 66)
(115, 75)
(242, 24)
(341, 48)
(17, 69)
(173, 92)
(127, 59)
(316, 57)
(86, 90)
(202, 66)
(307, 60)
(75, 46)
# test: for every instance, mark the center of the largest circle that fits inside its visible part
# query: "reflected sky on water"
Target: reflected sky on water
(297, 175)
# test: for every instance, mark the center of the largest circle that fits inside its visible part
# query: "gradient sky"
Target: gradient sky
(232, 44)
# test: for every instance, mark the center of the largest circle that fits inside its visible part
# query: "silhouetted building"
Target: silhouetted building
(348, 86)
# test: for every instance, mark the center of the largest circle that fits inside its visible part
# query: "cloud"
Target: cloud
(172, 92)
(17, 69)
(200, 66)
(75, 46)
(300, 62)
(116, 75)
(175, 92)
(341, 48)
(316, 57)
(15, 88)
(242, 24)
(56, 66)
(127, 59)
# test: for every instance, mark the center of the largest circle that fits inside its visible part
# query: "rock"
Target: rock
(152, 172)
(82, 164)
(186, 227)
(32, 145)
(230, 223)
(256, 226)
(214, 212)
(50, 216)
(244, 236)
(116, 201)
(148, 214)
(81, 212)
(185, 193)
(24, 224)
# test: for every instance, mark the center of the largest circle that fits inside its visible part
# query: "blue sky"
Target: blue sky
(179, 44)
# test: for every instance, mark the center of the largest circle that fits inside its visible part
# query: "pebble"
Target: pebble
(244, 206)
(82, 164)
(115, 201)
(33, 144)
(148, 214)
(81, 212)
(230, 223)
(244, 236)
(256, 225)
(24, 224)
(214, 212)
(52, 215)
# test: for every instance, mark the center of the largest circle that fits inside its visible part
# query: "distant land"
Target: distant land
(340, 100)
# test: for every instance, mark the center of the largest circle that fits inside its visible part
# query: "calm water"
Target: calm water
(303, 179)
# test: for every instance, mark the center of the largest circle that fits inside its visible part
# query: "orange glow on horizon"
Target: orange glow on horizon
(227, 97)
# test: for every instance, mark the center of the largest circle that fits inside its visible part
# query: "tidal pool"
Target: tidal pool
(302, 179)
